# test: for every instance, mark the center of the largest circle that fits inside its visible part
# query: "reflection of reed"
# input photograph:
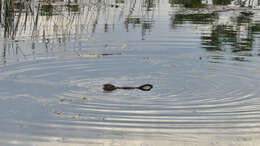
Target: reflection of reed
(0, 11)
(59, 22)
(141, 13)
(20, 14)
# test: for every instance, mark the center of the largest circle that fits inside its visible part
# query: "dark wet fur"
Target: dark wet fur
(110, 87)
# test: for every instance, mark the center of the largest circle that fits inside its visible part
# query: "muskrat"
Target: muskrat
(110, 87)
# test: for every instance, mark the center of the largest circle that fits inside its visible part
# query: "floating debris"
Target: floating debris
(99, 55)
(65, 100)
(66, 115)
(87, 98)
(146, 58)
(57, 113)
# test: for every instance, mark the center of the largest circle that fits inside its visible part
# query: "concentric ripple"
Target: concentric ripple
(187, 100)
(204, 101)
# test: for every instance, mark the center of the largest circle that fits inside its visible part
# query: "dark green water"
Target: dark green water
(203, 61)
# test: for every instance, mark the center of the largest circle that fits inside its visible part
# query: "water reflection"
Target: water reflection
(187, 4)
(44, 25)
(233, 31)
(201, 58)
(237, 38)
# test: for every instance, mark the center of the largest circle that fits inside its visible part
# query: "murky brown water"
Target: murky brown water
(203, 63)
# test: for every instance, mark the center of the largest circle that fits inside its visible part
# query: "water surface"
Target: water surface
(202, 61)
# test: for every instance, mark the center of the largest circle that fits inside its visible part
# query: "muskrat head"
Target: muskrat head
(109, 87)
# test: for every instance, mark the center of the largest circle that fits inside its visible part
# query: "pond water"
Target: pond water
(202, 60)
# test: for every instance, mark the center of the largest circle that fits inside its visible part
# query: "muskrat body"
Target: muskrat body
(110, 87)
